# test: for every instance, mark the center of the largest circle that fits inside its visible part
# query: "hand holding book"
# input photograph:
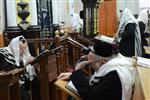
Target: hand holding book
(64, 76)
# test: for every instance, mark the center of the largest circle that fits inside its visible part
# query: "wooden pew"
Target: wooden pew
(50, 65)
(57, 60)
(73, 50)
(47, 74)
(9, 84)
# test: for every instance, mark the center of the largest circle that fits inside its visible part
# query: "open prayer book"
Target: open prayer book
(144, 62)
(71, 87)
(105, 38)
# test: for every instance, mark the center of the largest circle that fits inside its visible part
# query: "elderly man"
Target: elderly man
(15, 54)
(113, 78)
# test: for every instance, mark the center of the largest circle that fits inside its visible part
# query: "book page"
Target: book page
(144, 62)
(71, 87)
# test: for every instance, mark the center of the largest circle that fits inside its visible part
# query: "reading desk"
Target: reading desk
(62, 85)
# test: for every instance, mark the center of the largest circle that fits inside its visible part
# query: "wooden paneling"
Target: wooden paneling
(9, 84)
(1, 40)
(108, 18)
(52, 68)
(102, 19)
(111, 17)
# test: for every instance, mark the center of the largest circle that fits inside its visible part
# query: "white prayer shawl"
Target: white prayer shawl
(14, 48)
(125, 70)
(127, 17)
(8, 56)
(76, 22)
(143, 17)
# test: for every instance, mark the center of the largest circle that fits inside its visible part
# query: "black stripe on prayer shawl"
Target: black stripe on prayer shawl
(96, 79)
(8, 57)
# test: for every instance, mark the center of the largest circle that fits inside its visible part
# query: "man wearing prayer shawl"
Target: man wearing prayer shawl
(113, 78)
(128, 35)
(76, 22)
(17, 55)
(143, 24)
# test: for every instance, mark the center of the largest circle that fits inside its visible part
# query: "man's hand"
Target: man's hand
(64, 76)
(82, 64)
(31, 59)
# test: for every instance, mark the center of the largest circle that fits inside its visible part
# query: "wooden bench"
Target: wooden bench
(9, 84)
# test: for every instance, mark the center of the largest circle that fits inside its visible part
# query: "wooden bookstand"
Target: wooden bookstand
(62, 86)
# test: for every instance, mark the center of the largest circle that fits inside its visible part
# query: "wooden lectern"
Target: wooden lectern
(62, 86)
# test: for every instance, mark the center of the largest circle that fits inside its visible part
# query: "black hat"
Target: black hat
(103, 49)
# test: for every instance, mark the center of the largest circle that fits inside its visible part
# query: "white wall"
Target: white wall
(2, 16)
(33, 12)
(62, 10)
(133, 5)
(11, 13)
(144, 3)
(78, 6)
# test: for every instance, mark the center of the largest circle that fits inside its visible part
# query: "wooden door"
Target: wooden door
(108, 18)
(1, 40)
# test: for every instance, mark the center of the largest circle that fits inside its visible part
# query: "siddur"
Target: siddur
(144, 62)
(71, 87)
